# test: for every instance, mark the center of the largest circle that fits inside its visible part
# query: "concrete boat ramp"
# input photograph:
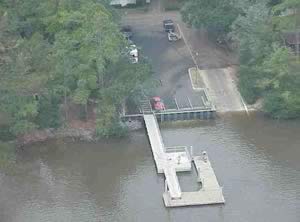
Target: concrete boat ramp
(170, 160)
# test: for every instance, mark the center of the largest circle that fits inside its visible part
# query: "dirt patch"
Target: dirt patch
(76, 126)
(47, 134)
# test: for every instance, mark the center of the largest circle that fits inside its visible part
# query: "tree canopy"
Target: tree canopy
(215, 15)
(269, 68)
(58, 52)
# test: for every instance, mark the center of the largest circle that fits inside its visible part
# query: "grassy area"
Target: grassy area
(7, 156)
(172, 5)
(196, 79)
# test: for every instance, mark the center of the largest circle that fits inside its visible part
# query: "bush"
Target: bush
(116, 129)
(22, 126)
(108, 123)
(172, 5)
(7, 155)
(247, 84)
(274, 105)
(48, 112)
(6, 134)
(281, 106)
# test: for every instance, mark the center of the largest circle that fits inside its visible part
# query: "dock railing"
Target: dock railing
(179, 149)
(157, 127)
(175, 149)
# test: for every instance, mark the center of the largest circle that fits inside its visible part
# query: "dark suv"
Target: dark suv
(168, 25)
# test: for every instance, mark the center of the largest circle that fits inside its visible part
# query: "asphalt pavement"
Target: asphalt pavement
(171, 60)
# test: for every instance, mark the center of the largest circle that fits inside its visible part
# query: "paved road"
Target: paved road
(219, 75)
(223, 90)
(171, 61)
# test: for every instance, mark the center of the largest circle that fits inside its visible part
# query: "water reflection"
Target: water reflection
(256, 161)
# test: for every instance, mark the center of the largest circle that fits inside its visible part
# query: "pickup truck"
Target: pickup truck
(170, 28)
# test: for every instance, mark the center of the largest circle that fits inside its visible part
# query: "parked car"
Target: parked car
(133, 54)
(168, 25)
(157, 103)
(172, 36)
(127, 32)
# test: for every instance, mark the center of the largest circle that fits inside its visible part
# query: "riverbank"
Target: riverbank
(82, 134)
(47, 134)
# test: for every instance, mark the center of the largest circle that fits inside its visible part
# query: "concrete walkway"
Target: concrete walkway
(155, 142)
(167, 163)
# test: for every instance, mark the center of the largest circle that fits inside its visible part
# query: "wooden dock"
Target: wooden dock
(170, 160)
(209, 193)
(156, 142)
(196, 198)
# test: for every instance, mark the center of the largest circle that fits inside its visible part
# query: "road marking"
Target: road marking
(244, 104)
(205, 82)
(176, 103)
(189, 48)
(237, 91)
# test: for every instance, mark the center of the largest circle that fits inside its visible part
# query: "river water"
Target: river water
(256, 160)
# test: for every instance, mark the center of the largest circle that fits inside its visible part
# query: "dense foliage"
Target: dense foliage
(269, 69)
(53, 53)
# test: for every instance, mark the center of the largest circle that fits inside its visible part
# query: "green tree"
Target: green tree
(268, 69)
(63, 51)
(214, 15)
(281, 84)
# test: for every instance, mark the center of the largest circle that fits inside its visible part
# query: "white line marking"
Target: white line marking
(186, 43)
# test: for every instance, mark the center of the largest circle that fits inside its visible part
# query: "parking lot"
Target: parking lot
(170, 60)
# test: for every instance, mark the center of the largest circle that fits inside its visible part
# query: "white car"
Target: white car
(133, 54)
(172, 36)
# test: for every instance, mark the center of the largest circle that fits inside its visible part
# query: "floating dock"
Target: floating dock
(209, 193)
(170, 160)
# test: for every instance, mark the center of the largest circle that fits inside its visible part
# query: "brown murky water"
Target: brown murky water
(256, 161)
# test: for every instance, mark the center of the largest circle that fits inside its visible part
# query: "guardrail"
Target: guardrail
(175, 149)
(179, 149)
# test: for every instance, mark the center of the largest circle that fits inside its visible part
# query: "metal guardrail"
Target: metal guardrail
(180, 149)
(175, 149)
(185, 110)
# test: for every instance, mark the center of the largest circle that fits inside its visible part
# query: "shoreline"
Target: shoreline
(82, 134)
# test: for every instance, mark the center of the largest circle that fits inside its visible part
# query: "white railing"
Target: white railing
(175, 149)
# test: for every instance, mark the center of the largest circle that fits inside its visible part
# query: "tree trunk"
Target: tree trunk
(86, 112)
(65, 105)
